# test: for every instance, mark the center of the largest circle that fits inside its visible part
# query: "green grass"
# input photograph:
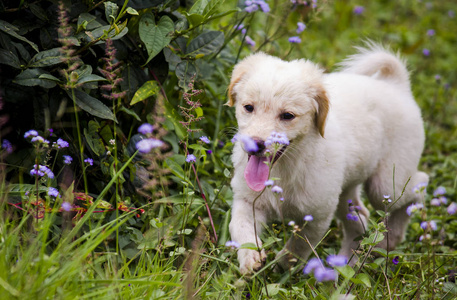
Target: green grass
(169, 252)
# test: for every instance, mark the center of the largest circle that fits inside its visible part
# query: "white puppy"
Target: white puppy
(355, 127)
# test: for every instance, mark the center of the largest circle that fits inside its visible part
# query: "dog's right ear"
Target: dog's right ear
(322, 110)
(237, 74)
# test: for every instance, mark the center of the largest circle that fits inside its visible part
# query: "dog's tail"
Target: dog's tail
(376, 61)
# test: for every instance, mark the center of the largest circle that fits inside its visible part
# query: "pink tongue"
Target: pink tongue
(256, 173)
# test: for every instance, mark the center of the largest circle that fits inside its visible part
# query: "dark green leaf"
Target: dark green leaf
(11, 30)
(90, 78)
(93, 106)
(21, 188)
(90, 21)
(111, 10)
(155, 37)
(130, 112)
(186, 71)
(22, 51)
(31, 77)
(206, 43)
(132, 11)
(46, 58)
(9, 58)
(148, 89)
(93, 138)
(49, 77)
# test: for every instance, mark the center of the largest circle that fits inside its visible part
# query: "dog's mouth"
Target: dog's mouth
(258, 170)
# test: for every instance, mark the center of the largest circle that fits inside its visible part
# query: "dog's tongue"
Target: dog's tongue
(256, 173)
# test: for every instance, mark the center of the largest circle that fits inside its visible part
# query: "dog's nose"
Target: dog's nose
(260, 146)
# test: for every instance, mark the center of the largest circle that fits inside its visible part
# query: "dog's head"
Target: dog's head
(272, 95)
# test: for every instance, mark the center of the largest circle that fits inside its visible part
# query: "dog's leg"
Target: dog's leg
(298, 246)
(398, 219)
(242, 231)
(354, 221)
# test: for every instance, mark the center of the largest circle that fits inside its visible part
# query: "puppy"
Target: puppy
(357, 127)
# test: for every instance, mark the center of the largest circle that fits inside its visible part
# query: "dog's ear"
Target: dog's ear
(237, 74)
(322, 110)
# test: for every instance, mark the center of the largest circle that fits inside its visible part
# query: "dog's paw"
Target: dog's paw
(250, 260)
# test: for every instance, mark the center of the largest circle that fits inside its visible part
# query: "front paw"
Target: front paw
(250, 260)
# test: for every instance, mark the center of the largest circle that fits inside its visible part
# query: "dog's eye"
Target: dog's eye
(249, 108)
(286, 116)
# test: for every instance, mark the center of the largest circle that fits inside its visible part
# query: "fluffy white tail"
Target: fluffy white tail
(376, 61)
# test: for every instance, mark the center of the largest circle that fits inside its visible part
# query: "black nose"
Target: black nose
(260, 145)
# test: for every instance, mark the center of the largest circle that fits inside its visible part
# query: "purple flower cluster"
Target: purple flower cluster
(53, 192)
(191, 158)
(308, 218)
(89, 161)
(146, 128)
(146, 145)
(60, 144)
(254, 5)
(66, 206)
(413, 208)
(420, 187)
(353, 211)
(67, 159)
(232, 244)
(249, 144)
(295, 40)
(276, 189)
(358, 10)
(205, 139)
(7, 146)
(430, 224)
(323, 273)
(39, 170)
(277, 138)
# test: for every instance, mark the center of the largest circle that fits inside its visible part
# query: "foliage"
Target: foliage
(128, 224)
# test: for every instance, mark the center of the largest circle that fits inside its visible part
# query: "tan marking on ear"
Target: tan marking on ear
(231, 94)
(322, 111)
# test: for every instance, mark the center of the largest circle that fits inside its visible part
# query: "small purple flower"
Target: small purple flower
(53, 192)
(312, 265)
(300, 27)
(276, 189)
(239, 27)
(251, 8)
(431, 32)
(7, 146)
(269, 182)
(66, 206)
(420, 187)
(146, 128)
(89, 161)
(413, 208)
(281, 199)
(39, 170)
(232, 244)
(67, 159)
(39, 139)
(249, 144)
(337, 260)
(146, 145)
(249, 41)
(452, 208)
(205, 139)
(277, 138)
(435, 202)
(441, 190)
(31, 133)
(358, 10)
(295, 40)
(325, 274)
(191, 158)
(308, 218)
(291, 223)
(424, 225)
(451, 13)
(352, 217)
(396, 260)
(51, 131)
(61, 144)
(443, 200)
(264, 6)
(209, 152)
(437, 77)
(426, 52)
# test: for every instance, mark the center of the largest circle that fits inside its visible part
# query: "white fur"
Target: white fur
(373, 125)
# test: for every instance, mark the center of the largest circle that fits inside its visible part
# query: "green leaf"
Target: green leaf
(186, 71)
(132, 11)
(148, 89)
(31, 77)
(46, 58)
(11, 30)
(346, 271)
(174, 117)
(9, 58)
(111, 10)
(103, 32)
(250, 246)
(130, 113)
(88, 22)
(373, 239)
(176, 169)
(93, 106)
(198, 7)
(93, 138)
(21, 188)
(155, 37)
(49, 77)
(272, 289)
(90, 78)
(365, 279)
(206, 43)
(199, 112)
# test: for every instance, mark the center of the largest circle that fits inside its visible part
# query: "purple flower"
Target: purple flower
(426, 52)
(146, 128)
(146, 145)
(205, 139)
(352, 217)
(39, 139)
(396, 260)
(249, 41)
(7, 146)
(66, 206)
(191, 158)
(420, 187)
(308, 218)
(251, 8)
(276, 189)
(281, 199)
(325, 274)
(277, 138)
(312, 265)
(435, 202)
(249, 144)
(413, 208)
(337, 260)
(441, 190)
(60, 144)
(443, 200)
(358, 10)
(39, 170)
(452, 208)
(264, 6)
(232, 244)
(239, 27)
(300, 27)
(53, 192)
(431, 32)
(451, 13)
(51, 131)
(30, 133)
(269, 182)
(295, 40)
(67, 159)
(291, 223)
(90, 161)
